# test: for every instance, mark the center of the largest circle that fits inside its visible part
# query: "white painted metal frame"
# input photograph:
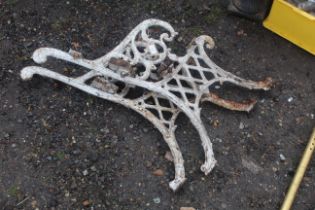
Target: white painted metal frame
(171, 84)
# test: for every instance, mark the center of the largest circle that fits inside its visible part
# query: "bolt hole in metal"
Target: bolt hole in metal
(140, 68)
(143, 74)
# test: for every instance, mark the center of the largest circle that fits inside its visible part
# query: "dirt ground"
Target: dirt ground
(63, 149)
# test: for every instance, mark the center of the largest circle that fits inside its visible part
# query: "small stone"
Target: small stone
(158, 172)
(191, 188)
(187, 208)
(34, 204)
(85, 172)
(76, 152)
(86, 203)
(282, 157)
(93, 168)
(240, 32)
(67, 194)
(148, 164)
(290, 99)
(215, 123)
(241, 126)
(168, 156)
(157, 200)
(251, 166)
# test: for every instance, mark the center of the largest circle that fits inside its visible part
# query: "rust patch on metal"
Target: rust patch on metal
(246, 106)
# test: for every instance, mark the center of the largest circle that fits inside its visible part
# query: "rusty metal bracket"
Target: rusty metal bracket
(171, 84)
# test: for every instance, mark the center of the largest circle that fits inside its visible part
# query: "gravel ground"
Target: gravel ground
(63, 149)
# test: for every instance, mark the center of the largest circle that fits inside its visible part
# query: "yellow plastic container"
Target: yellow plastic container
(293, 24)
